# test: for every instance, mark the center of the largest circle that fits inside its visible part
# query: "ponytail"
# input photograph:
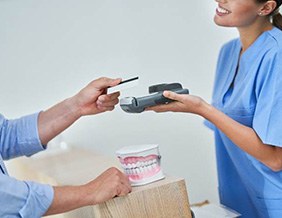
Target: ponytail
(276, 16)
(277, 19)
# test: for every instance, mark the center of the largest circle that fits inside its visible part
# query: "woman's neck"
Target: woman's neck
(249, 34)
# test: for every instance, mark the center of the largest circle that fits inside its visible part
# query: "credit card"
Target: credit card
(125, 84)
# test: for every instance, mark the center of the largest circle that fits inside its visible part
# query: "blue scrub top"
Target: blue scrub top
(255, 100)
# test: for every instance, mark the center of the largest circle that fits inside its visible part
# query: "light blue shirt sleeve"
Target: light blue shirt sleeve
(267, 120)
(19, 137)
(21, 198)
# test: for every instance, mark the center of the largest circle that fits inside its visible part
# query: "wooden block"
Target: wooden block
(166, 198)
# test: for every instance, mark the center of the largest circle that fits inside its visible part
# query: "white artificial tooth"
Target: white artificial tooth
(138, 170)
(138, 164)
(150, 167)
(133, 165)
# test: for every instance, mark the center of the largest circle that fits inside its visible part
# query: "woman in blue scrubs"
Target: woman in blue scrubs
(246, 109)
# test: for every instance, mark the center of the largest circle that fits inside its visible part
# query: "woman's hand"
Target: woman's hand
(182, 103)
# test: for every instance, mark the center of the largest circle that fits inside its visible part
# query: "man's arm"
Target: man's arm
(25, 136)
(23, 198)
(30, 199)
(90, 100)
(109, 184)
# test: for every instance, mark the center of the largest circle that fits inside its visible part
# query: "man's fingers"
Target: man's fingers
(109, 97)
(105, 82)
(123, 190)
(124, 186)
(104, 109)
(125, 182)
(106, 104)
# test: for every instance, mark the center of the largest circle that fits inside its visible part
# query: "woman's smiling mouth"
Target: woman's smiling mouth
(220, 10)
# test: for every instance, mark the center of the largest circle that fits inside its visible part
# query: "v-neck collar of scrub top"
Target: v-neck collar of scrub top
(245, 61)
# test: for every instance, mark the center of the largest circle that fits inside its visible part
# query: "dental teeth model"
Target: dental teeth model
(141, 163)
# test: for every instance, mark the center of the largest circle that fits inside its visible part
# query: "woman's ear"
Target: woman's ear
(267, 8)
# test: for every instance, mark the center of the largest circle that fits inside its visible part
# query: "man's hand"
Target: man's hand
(93, 98)
(109, 184)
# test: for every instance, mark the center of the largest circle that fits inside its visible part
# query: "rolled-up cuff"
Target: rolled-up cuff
(39, 199)
(28, 135)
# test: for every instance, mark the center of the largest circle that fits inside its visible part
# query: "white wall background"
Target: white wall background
(49, 49)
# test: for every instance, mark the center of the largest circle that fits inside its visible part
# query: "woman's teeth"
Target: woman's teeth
(223, 11)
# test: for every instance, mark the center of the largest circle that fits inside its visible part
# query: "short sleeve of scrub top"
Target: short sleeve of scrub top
(267, 120)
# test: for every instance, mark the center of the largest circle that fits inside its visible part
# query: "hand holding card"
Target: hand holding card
(125, 84)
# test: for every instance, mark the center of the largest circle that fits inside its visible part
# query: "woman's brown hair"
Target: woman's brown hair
(277, 19)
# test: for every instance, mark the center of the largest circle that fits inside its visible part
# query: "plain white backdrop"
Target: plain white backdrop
(50, 49)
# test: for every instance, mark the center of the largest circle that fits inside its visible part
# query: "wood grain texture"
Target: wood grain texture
(163, 199)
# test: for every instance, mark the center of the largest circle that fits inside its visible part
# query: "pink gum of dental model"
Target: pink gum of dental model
(141, 163)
